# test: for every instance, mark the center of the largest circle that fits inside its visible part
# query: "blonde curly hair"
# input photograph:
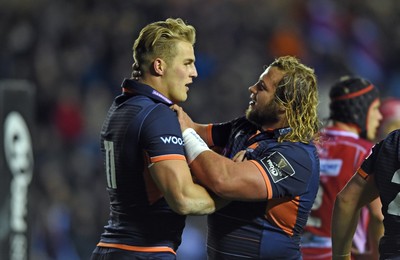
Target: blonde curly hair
(297, 92)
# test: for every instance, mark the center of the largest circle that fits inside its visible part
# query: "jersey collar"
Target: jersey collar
(136, 88)
(276, 133)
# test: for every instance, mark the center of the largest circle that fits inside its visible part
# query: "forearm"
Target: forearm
(197, 201)
(174, 180)
(344, 223)
(202, 168)
(228, 179)
(203, 131)
(375, 227)
(375, 232)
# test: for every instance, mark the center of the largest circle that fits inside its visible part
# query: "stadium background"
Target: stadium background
(77, 52)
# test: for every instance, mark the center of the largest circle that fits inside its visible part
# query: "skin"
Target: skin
(235, 174)
(375, 227)
(262, 103)
(374, 118)
(173, 78)
(356, 194)
(173, 177)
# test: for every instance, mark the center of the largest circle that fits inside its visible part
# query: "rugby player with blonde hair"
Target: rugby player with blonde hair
(148, 180)
(269, 166)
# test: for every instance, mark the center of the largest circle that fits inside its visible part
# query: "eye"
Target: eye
(261, 86)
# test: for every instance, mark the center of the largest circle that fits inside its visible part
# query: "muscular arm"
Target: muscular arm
(226, 178)
(229, 179)
(356, 194)
(181, 193)
(375, 226)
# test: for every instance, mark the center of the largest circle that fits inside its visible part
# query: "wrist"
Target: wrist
(193, 144)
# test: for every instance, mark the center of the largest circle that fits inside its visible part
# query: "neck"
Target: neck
(348, 127)
(274, 126)
(154, 82)
(280, 124)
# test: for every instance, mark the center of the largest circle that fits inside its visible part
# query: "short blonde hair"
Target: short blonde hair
(297, 92)
(158, 40)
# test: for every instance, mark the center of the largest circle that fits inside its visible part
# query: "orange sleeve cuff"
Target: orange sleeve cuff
(167, 157)
(265, 177)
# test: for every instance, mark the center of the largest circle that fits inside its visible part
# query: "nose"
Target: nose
(193, 72)
(253, 89)
(380, 116)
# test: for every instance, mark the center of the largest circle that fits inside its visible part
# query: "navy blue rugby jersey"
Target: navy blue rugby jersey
(140, 129)
(384, 164)
(268, 229)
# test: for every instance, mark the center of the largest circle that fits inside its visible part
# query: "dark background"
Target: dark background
(77, 52)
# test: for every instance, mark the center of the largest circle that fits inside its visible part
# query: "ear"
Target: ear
(159, 66)
(281, 110)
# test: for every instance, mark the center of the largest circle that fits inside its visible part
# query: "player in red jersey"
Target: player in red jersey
(354, 111)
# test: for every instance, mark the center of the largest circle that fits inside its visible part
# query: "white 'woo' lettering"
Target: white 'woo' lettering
(172, 139)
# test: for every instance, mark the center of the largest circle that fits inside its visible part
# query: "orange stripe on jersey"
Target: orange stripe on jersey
(265, 177)
(209, 139)
(256, 133)
(362, 173)
(167, 157)
(283, 213)
(152, 191)
(253, 146)
(153, 249)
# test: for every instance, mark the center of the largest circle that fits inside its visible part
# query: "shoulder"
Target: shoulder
(298, 148)
(163, 109)
(161, 118)
(364, 143)
(343, 140)
(297, 153)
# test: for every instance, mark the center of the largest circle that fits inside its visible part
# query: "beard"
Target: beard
(266, 115)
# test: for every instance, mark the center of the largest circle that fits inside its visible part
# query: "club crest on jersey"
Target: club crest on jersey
(277, 166)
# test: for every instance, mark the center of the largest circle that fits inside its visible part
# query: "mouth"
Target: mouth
(252, 101)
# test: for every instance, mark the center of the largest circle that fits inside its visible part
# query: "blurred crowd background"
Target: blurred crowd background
(77, 52)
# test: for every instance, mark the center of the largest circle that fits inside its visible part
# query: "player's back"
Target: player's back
(130, 136)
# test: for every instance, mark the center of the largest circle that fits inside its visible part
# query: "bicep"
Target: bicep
(358, 192)
(247, 182)
(228, 179)
(171, 176)
(184, 196)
